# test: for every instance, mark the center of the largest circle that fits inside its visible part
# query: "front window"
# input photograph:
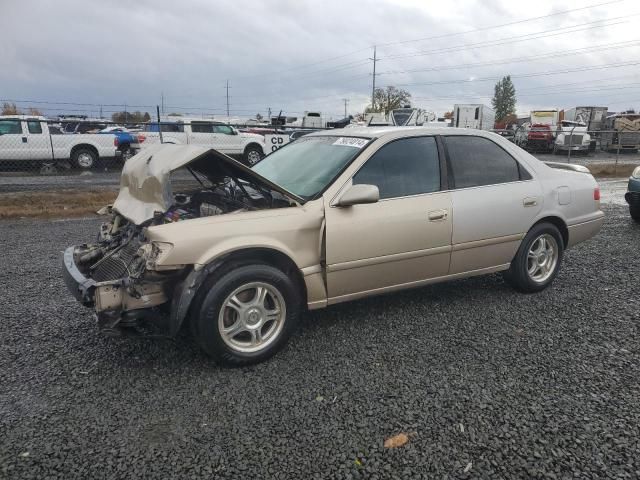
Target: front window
(224, 129)
(10, 127)
(307, 166)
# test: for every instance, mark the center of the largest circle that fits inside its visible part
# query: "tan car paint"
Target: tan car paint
(392, 244)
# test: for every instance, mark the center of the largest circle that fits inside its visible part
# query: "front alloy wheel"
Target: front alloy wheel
(245, 313)
(252, 316)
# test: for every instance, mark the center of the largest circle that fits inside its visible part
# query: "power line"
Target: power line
(519, 38)
(596, 48)
(524, 75)
(491, 27)
(481, 29)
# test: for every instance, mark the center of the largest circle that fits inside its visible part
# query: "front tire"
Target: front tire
(246, 315)
(252, 155)
(634, 211)
(538, 259)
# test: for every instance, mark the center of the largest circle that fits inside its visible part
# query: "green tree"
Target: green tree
(387, 99)
(504, 98)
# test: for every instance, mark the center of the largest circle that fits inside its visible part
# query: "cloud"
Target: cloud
(298, 55)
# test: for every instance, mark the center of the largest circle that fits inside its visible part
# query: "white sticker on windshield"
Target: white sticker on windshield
(351, 142)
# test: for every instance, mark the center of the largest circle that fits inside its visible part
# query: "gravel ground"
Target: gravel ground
(488, 383)
(105, 178)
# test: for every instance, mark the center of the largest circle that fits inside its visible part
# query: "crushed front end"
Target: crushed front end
(118, 276)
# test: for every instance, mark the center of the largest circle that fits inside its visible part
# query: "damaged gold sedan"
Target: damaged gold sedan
(196, 238)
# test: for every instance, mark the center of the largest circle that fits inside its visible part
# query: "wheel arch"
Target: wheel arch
(559, 223)
(253, 144)
(187, 290)
(84, 146)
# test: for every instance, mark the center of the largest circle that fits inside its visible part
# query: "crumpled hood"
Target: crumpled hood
(145, 186)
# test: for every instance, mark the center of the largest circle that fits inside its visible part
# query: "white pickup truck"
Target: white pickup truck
(248, 147)
(28, 138)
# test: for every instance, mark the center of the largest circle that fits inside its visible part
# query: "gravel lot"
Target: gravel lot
(489, 383)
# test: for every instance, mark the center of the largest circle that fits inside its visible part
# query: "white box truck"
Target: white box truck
(473, 115)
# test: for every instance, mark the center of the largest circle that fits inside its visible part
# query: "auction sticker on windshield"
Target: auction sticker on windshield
(351, 142)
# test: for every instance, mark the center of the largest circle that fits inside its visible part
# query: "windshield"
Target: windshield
(307, 166)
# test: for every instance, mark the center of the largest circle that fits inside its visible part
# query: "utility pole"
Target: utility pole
(346, 101)
(373, 90)
(269, 114)
(227, 99)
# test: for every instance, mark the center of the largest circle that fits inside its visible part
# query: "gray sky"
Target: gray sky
(298, 55)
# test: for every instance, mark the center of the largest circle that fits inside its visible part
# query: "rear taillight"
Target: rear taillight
(141, 138)
(116, 142)
(596, 193)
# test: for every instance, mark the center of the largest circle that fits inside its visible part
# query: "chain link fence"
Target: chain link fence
(32, 146)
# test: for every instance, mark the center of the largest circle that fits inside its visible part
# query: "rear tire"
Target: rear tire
(246, 315)
(538, 259)
(84, 158)
(634, 211)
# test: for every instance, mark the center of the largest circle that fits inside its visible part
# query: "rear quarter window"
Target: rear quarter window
(477, 161)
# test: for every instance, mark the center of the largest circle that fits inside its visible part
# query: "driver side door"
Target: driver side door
(402, 240)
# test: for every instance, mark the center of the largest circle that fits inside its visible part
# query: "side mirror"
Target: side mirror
(359, 194)
(234, 131)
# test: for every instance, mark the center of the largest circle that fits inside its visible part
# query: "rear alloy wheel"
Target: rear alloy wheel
(84, 158)
(246, 315)
(252, 155)
(634, 211)
(538, 259)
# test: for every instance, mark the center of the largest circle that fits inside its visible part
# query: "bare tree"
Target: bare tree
(387, 99)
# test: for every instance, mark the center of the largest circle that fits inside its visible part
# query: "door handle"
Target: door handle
(530, 202)
(24, 139)
(437, 215)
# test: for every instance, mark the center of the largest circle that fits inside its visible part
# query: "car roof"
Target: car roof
(391, 131)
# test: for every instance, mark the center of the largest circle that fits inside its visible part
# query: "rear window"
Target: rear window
(201, 127)
(477, 161)
(34, 126)
(166, 127)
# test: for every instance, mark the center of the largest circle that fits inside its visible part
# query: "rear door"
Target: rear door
(202, 134)
(404, 238)
(495, 201)
(38, 141)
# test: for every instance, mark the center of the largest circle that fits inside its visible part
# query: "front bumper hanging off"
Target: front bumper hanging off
(114, 301)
